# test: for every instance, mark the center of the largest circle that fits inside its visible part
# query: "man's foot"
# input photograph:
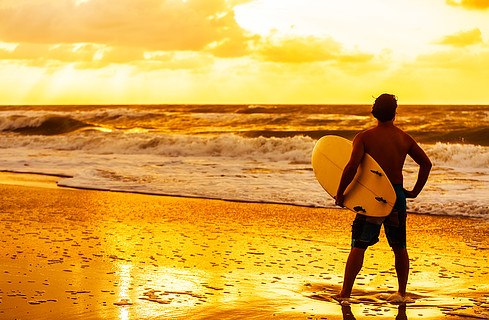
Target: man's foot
(344, 301)
(397, 298)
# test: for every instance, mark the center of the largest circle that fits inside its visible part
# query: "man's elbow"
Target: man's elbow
(427, 165)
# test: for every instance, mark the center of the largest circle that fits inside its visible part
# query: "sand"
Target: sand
(82, 254)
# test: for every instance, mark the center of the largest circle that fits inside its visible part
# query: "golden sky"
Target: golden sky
(243, 51)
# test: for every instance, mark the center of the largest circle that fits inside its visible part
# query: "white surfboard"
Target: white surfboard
(370, 193)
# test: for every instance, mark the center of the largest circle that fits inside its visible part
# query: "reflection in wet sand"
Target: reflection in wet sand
(98, 255)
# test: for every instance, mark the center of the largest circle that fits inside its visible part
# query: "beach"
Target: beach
(85, 254)
(158, 159)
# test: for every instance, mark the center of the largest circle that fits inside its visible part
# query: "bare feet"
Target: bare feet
(397, 298)
(344, 301)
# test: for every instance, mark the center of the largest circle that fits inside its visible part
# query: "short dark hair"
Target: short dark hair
(384, 108)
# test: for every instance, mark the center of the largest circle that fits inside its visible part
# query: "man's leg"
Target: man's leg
(402, 268)
(353, 267)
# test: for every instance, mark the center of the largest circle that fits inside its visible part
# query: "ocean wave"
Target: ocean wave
(296, 149)
(90, 116)
(463, 208)
(119, 115)
(467, 135)
(250, 121)
(44, 125)
(459, 155)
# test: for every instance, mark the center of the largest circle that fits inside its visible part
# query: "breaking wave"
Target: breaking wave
(295, 149)
(43, 125)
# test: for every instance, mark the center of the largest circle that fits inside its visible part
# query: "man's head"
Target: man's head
(384, 108)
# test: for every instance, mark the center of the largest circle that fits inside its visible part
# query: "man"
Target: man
(389, 146)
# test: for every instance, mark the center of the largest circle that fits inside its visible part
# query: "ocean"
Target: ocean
(252, 153)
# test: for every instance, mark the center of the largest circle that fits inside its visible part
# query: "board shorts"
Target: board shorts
(366, 230)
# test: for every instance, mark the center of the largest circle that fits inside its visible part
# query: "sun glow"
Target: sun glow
(79, 2)
(247, 51)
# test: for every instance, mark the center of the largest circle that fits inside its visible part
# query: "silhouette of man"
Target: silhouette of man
(389, 146)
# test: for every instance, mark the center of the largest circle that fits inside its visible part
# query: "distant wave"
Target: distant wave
(477, 136)
(251, 121)
(44, 125)
(90, 116)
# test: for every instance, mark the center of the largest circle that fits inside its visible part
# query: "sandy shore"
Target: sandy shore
(80, 254)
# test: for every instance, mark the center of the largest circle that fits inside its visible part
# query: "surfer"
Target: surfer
(389, 146)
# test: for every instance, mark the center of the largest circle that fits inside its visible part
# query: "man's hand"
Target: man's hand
(340, 198)
(410, 194)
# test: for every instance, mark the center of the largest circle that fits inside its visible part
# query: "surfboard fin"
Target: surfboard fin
(376, 172)
(359, 209)
(380, 199)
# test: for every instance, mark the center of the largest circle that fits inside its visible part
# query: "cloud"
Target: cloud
(305, 49)
(97, 33)
(93, 56)
(41, 55)
(358, 57)
(470, 4)
(299, 49)
(169, 25)
(462, 38)
(233, 44)
(456, 59)
(176, 61)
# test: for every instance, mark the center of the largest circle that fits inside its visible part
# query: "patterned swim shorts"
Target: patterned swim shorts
(366, 230)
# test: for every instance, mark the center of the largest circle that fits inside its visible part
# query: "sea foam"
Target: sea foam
(295, 149)
(231, 167)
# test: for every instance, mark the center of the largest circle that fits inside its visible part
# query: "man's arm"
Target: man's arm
(420, 157)
(351, 168)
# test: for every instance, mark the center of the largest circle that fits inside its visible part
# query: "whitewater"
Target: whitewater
(238, 153)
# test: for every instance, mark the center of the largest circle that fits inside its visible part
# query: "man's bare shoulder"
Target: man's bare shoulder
(361, 138)
(369, 134)
(386, 136)
(407, 137)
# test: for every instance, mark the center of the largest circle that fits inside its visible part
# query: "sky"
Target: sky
(243, 51)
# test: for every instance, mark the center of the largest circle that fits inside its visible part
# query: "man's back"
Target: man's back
(388, 145)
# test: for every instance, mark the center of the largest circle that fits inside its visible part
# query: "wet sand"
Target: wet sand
(82, 254)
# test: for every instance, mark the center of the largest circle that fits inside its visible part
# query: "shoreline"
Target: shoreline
(78, 254)
(7, 176)
(15, 175)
